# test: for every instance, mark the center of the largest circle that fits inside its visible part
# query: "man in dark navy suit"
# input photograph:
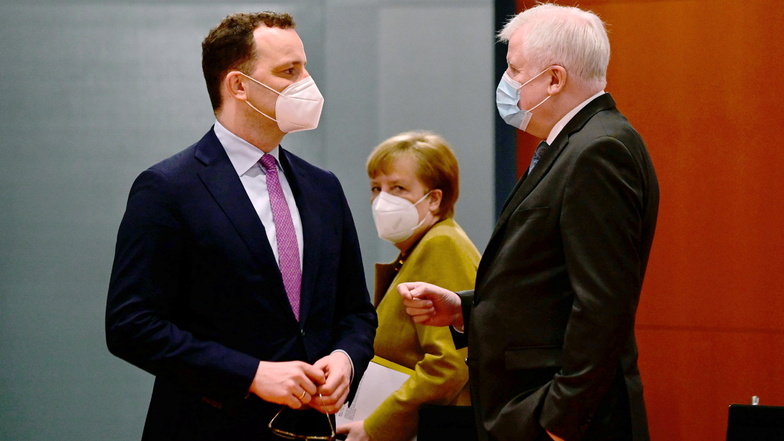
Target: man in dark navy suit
(237, 278)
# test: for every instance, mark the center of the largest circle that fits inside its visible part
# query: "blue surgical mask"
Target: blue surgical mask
(507, 96)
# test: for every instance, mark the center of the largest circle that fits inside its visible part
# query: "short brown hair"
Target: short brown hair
(230, 46)
(437, 165)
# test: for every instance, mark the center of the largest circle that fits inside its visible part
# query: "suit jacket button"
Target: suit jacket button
(302, 332)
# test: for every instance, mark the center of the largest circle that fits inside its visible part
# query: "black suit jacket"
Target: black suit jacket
(196, 297)
(551, 320)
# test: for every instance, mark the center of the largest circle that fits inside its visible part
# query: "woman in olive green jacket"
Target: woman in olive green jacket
(414, 181)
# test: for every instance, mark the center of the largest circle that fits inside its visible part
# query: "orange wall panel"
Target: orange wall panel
(702, 81)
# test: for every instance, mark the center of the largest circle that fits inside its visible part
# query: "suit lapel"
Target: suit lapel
(528, 182)
(221, 180)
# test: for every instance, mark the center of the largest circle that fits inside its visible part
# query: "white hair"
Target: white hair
(564, 36)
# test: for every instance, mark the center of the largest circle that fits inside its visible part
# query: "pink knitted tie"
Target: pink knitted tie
(288, 251)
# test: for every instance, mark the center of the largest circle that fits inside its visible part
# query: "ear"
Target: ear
(234, 83)
(435, 200)
(558, 78)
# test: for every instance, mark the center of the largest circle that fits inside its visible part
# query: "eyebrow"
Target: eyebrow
(391, 182)
(280, 67)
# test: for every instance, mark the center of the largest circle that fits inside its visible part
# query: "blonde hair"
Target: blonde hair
(436, 164)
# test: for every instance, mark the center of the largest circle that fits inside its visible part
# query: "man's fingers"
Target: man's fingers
(419, 312)
(419, 319)
(330, 396)
(420, 302)
(418, 307)
(293, 402)
(330, 403)
(333, 386)
(304, 397)
(314, 374)
(409, 290)
(404, 291)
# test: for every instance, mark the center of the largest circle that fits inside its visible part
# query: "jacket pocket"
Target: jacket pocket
(533, 357)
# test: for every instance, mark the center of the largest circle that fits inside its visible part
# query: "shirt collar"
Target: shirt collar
(568, 117)
(242, 154)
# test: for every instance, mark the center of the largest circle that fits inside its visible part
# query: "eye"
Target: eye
(292, 70)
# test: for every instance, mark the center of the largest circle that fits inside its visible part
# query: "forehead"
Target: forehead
(514, 54)
(276, 46)
(400, 168)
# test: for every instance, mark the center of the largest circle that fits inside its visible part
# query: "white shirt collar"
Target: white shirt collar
(568, 117)
(242, 154)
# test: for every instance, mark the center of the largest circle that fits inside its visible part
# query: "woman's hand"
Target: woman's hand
(355, 431)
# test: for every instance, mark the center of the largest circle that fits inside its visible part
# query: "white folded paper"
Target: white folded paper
(380, 380)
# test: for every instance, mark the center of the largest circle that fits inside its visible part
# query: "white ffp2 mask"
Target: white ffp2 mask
(396, 218)
(298, 106)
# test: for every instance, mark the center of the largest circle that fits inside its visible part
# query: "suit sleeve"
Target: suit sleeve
(442, 373)
(356, 318)
(466, 303)
(145, 294)
(601, 228)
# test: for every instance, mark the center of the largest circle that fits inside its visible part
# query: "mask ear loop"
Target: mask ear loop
(422, 198)
(540, 103)
(531, 79)
(426, 213)
(260, 84)
(262, 113)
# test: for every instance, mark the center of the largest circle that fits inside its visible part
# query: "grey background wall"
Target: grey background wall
(93, 92)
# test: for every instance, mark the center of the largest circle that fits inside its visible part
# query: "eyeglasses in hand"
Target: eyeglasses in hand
(295, 436)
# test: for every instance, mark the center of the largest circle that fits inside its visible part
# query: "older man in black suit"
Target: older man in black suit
(237, 278)
(550, 323)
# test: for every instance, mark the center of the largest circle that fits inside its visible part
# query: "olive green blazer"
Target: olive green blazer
(445, 256)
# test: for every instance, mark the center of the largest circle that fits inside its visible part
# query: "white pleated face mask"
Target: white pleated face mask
(396, 218)
(298, 106)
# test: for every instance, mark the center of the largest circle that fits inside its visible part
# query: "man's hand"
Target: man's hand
(355, 431)
(431, 305)
(292, 383)
(336, 368)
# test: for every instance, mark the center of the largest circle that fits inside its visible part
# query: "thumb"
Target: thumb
(407, 289)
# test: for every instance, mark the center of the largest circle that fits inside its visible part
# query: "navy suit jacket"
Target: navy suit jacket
(196, 297)
(551, 320)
